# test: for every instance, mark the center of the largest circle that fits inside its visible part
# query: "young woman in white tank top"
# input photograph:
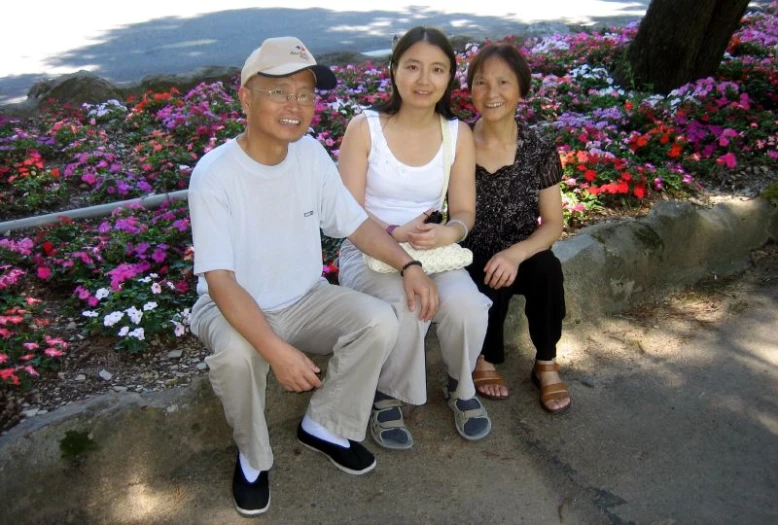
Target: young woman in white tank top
(391, 160)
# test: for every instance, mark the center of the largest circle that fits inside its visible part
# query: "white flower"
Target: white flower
(186, 315)
(123, 332)
(153, 275)
(137, 334)
(156, 288)
(179, 329)
(171, 285)
(102, 293)
(145, 280)
(149, 306)
(135, 314)
(89, 313)
(112, 318)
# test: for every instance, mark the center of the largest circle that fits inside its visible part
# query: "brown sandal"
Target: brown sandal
(489, 378)
(550, 392)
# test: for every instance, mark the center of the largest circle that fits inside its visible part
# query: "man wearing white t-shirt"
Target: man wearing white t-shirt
(258, 204)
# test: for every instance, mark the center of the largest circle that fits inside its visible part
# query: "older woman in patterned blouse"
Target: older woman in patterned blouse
(519, 217)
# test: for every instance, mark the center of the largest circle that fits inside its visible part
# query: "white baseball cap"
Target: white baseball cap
(282, 57)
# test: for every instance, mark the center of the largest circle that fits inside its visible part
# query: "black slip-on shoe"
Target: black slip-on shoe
(251, 499)
(355, 460)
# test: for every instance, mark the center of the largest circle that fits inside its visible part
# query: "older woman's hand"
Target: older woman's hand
(502, 269)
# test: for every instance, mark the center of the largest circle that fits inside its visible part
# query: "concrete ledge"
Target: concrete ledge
(141, 440)
(613, 266)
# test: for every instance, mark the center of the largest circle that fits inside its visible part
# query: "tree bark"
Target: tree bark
(680, 41)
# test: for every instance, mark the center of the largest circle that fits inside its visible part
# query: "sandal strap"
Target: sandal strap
(555, 391)
(487, 378)
(544, 367)
(386, 403)
(466, 415)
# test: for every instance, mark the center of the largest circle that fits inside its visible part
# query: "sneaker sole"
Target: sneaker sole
(338, 465)
(251, 513)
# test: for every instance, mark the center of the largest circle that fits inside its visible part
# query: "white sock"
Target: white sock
(251, 474)
(316, 430)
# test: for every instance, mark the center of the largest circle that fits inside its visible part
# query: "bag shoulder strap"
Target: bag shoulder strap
(445, 132)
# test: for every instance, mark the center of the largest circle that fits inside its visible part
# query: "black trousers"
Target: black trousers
(541, 282)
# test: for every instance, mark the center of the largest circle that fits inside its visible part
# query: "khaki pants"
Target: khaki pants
(462, 319)
(358, 330)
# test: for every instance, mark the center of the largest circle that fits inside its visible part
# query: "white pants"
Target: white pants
(461, 319)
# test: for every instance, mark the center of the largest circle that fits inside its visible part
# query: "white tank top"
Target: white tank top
(396, 192)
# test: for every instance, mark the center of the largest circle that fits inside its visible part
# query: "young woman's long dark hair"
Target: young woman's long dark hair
(436, 38)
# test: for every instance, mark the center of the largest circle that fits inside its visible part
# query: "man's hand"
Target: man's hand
(416, 282)
(502, 269)
(294, 370)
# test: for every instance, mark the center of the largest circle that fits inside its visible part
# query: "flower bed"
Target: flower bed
(128, 276)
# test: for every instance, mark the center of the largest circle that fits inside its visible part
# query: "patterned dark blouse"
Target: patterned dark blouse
(507, 201)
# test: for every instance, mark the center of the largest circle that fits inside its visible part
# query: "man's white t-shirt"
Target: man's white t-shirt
(263, 222)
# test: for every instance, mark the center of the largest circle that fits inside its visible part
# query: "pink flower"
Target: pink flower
(53, 352)
(26, 357)
(30, 370)
(55, 341)
(30, 346)
(727, 160)
(43, 272)
(3, 358)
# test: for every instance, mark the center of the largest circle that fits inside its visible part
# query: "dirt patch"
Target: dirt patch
(92, 366)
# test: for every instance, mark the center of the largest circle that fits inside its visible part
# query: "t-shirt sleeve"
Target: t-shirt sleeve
(550, 168)
(340, 213)
(211, 220)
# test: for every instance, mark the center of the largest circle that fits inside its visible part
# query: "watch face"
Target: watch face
(434, 218)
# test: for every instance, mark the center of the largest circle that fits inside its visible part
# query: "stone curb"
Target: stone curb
(608, 268)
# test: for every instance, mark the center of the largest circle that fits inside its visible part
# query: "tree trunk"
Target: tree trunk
(680, 41)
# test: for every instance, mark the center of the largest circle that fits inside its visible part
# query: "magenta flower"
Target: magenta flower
(727, 160)
(43, 272)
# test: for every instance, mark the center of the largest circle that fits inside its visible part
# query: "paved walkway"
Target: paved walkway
(674, 421)
(151, 37)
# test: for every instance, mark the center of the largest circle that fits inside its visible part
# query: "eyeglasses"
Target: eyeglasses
(280, 96)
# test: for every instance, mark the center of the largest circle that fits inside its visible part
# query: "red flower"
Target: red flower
(639, 191)
(7, 374)
(590, 175)
(48, 248)
(675, 150)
